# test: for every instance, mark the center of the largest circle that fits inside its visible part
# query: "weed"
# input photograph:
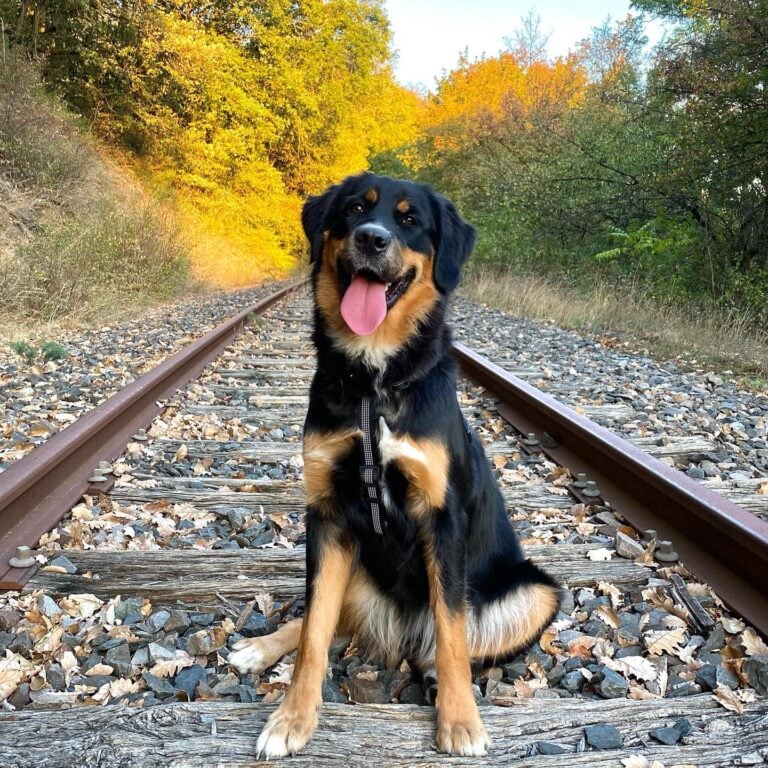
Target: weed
(52, 350)
(24, 349)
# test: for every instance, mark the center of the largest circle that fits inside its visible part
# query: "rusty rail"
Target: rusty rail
(719, 542)
(38, 490)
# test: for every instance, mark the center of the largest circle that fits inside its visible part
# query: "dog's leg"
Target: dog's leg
(255, 654)
(459, 728)
(329, 564)
(425, 464)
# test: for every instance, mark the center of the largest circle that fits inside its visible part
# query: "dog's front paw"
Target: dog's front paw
(287, 731)
(249, 655)
(466, 736)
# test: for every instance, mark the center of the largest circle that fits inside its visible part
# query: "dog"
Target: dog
(409, 547)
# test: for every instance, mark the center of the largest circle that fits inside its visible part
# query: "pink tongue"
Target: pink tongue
(364, 306)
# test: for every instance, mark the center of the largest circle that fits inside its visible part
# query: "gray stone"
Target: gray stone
(556, 674)
(177, 622)
(159, 685)
(611, 685)
(9, 618)
(62, 562)
(515, 669)
(603, 736)
(365, 691)
(159, 652)
(756, 670)
(668, 736)
(119, 658)
(128, 607)
(21, 698)
(140, 658)
(716, 639)
(332, 692)
(237, 518)
(684, 726)
(412, 694)
(158, 620)
(47, 606)
(627, 547)
(696, 473)
(188, 678)
(202, 643)
(56, 677)
(551, 748)
(202, 619)
(572, 681)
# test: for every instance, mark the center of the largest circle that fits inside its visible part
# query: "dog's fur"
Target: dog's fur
(446, 584)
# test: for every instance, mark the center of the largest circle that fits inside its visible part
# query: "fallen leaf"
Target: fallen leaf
(169, 667)
(612, 591)
(9, 680)
(728, 699)
(732, 625)
(99, 669)
(763, 489)
(608, 616)
(600, 555)
(635, 761)
(664, 641)
(754, 645)
(636, 666)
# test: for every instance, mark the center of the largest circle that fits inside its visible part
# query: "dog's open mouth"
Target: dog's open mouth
(367, 300)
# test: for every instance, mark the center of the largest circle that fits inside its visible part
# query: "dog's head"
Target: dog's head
(385, 252)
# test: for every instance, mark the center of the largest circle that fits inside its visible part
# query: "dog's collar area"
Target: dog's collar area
(370, 472)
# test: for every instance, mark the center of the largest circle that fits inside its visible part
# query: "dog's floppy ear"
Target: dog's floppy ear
(313, 218)
(455, 239)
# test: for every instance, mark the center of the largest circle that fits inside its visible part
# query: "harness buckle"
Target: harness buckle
(370, 474)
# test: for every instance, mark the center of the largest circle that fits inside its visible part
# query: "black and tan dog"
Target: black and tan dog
(408, 543)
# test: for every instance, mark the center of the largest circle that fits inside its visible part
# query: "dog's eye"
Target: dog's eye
(354, 209)
(409, 220)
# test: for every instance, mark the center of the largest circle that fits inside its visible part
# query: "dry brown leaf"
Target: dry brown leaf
(754, 645)
(546, 642)
(763, 489)
(169, 667)
(639, 761)
(664, 641)
(638, 693)
(636, 666)
(181, 453)
(9, 680)
(581, 646)
(499, 461)
(728, 699)
(608, 616)
(612, 591)
(264, 602)
(732, 625)
(99, 669)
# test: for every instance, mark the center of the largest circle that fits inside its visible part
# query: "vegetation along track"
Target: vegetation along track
(196, 539)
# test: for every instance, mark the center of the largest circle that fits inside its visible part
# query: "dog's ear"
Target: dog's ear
(455, 240)
(314, 215)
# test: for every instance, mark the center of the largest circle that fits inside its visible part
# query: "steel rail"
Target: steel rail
(718, 541)
(39, 489)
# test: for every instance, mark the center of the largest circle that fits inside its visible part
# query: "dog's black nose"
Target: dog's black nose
(372, 239)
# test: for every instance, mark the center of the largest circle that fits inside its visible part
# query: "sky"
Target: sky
(430, 34)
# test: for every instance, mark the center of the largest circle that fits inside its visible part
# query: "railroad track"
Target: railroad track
(194, 538)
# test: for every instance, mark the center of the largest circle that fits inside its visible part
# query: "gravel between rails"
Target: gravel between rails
(40, 398)
(222, 471)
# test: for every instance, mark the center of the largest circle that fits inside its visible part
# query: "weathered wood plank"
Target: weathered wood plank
(217, 734)
(518, 496)
(194, 575)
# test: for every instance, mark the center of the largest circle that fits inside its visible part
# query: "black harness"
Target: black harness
(370, 470)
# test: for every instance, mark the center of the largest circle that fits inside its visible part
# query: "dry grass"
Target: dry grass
(698, 337)
(77, 239)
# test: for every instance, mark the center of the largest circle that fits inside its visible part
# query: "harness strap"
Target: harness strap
(369, 471)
